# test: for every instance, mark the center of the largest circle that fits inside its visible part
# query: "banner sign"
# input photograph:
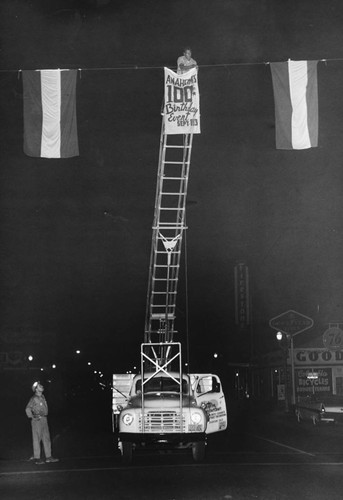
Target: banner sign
(306, 384)
(242, 301)
(181, 102)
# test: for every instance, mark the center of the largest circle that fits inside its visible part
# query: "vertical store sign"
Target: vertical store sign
(242, 302)
(181, 102)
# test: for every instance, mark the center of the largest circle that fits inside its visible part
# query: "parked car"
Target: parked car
(318, 408)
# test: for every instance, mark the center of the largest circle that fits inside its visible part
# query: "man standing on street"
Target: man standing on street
(37, 411)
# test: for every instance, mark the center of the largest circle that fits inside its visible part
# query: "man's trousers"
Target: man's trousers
(40, 433)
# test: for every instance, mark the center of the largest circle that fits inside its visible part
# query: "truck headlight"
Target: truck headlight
(128, 418)
(196, 418)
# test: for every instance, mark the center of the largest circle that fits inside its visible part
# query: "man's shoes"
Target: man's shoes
(31, 459)
(51, 460)
(39, 461)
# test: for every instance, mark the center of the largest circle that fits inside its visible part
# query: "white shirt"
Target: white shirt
(186, 62)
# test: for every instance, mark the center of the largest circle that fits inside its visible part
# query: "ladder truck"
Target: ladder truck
(161, 406)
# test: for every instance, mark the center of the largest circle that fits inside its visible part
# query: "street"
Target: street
(264, 455)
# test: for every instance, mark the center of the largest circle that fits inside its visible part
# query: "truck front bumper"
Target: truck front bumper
(160, 439)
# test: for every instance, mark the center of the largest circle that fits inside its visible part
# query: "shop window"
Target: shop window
(339, 386)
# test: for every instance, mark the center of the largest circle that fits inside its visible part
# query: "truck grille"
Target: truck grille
(161, 421)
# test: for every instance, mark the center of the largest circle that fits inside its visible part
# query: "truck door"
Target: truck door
(121, 387)
(209, 395)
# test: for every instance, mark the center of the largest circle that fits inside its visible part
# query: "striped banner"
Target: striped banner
(296, 104)
(50, 126)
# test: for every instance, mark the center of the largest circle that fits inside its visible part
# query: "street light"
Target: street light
(280, 337)
(291, 323)
(290, 345)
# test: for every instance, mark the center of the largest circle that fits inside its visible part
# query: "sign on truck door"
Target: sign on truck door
(209, 394)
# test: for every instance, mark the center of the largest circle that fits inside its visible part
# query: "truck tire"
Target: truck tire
(127, 452)
(198, 451)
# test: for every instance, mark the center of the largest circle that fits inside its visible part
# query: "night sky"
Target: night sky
(76, 233)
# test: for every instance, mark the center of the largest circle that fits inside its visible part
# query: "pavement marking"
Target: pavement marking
(260, 453)
(283, 445)
(171, 466)
(90, 457)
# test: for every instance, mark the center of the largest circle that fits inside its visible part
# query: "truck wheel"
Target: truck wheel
(198, 451)
(127, 452)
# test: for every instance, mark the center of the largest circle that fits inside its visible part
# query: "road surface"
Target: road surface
(264, 455)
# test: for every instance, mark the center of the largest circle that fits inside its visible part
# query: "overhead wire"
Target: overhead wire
(144, 68)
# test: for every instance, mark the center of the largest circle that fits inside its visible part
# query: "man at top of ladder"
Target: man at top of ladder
(185, 62)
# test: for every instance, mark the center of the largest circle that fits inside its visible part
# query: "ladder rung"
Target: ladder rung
(165, 265)
(176, 162)
(173, 194)
(164, 252)
(167, 228)
(162, 293)
(170, 225)
(164, 279)
(159, 331)
(162, 316)
(177, 147)
(173, 209)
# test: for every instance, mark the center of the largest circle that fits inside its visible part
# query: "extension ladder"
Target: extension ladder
(167, 232)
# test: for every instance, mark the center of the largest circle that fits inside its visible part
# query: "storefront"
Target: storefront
(318, 370)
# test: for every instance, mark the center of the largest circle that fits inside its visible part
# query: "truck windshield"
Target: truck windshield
(162, 384)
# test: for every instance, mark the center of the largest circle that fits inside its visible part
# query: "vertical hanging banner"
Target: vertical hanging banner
(181, 102)
(242, 295)
(50, 125)
(296, 104)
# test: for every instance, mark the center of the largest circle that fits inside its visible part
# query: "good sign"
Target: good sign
(317, 357)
